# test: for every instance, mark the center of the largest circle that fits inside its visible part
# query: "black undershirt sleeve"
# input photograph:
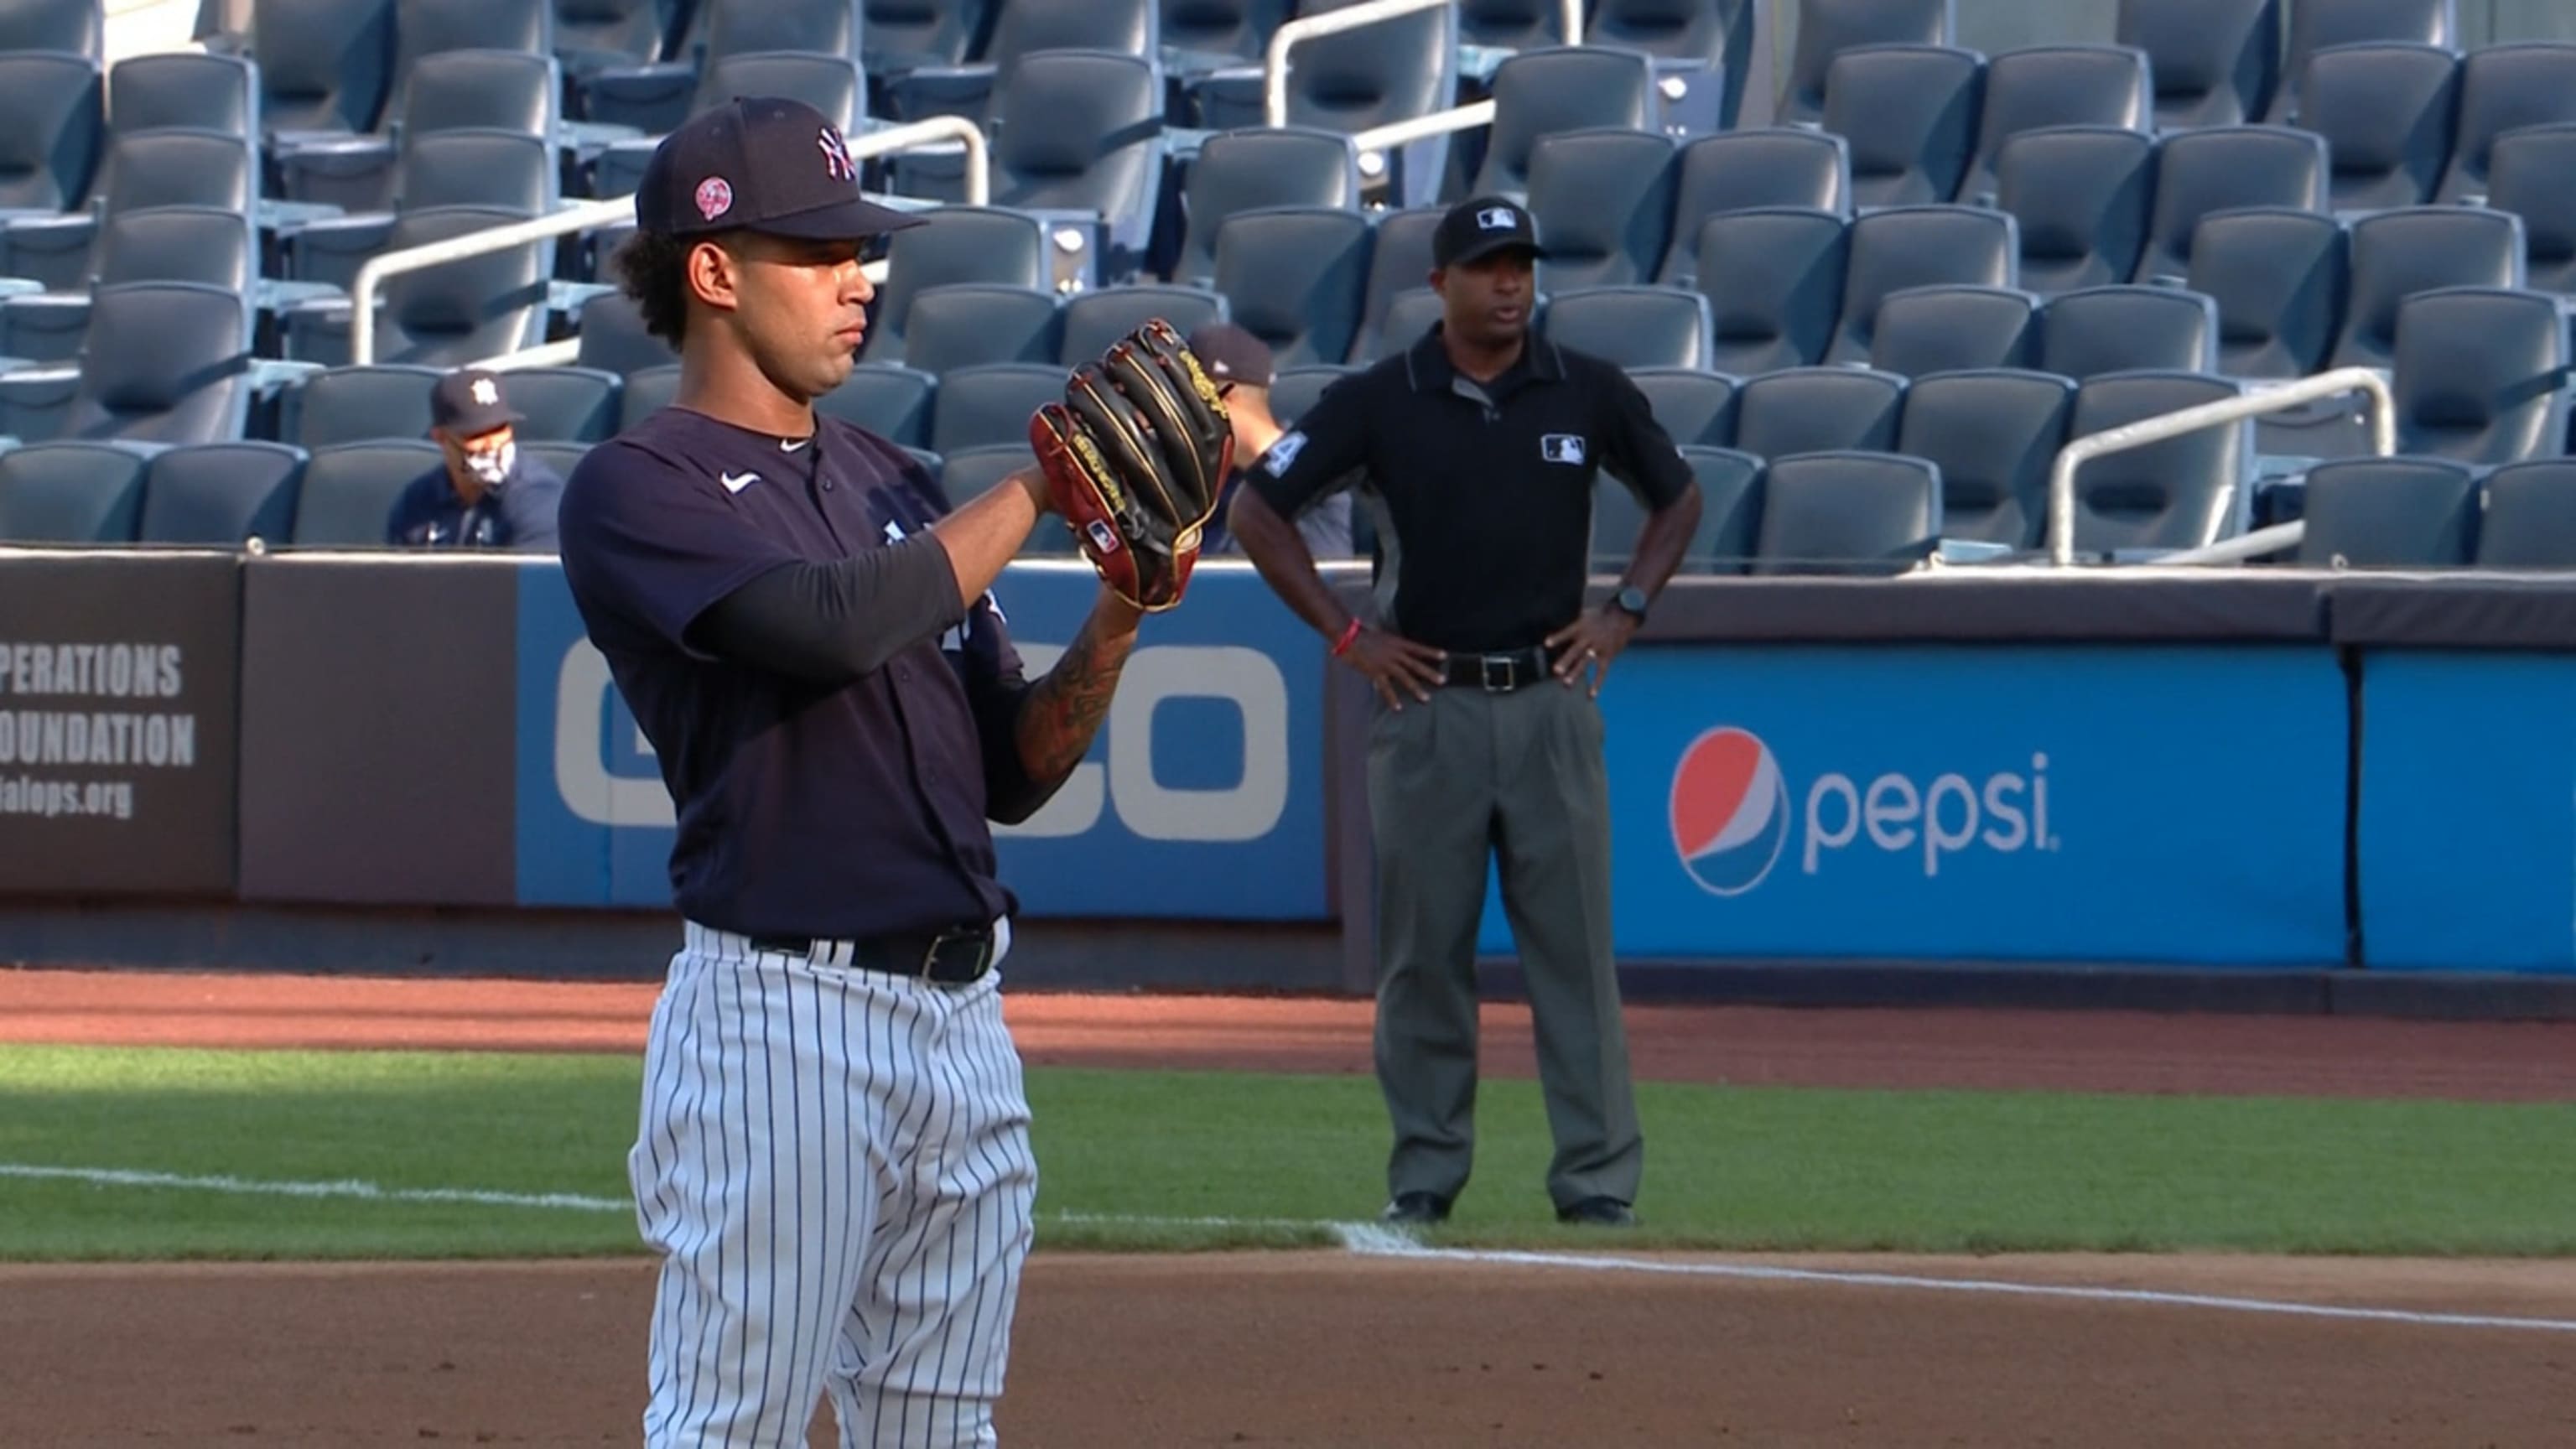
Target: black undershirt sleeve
(832, 622)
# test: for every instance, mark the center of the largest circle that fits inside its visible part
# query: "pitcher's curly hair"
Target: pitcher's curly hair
(653, 270)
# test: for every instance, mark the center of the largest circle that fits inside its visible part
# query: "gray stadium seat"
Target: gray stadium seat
(612, 338)
(69, 492)
(1830, 28)
(1356, 81)
(991, 404)
(1994, 434)
(967, 473)
(1924, 330)
(1739, 170)
(2278, 276)
(158, 90)
(145, 169)
(1296, 277)
(1847, 512)
(888, 399)
(325, 66)
(1695, 406)
(1818, 409)
(1730, 513)
(73, 26)
(349, 490)
(166, 362)
(648, 391)
(52, 131)
(964, 324)
(828, 81)
(1249, 169)
(560, 456)
(2222, 168)
(2128, 328)
(1295, 389)
(1545, 92)
(1639, 326)
(354, 404)
(2388, 513)
(446, 315)
(970, 244)
(972, 89)
(906, 35)
(1399, 261)
(2055, 85)
(1919, 246)
(2317, 27)
(1093, 320)
(221, 494)
(592, 35)
(1080, 131)
(1909, 113)
(157, 244)
(2215, 62)
(448, 90)
(2185, 492)
(656, 96)
(2530, 516)
(423, 28)
(1603, 202)
(1221, 30)
(1773, 277)
(1701, 46)
(2388, 113)
(2081, 196)
(564, 404)
(2503, 88)
(1513, 24)
(2480, 374)
(1409, 315)
(2396, 254)
(2527, 175)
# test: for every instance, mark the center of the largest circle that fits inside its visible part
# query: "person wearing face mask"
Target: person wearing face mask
(483, 494)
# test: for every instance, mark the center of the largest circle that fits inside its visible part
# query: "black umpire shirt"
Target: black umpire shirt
(806, 809)
(1487, 488)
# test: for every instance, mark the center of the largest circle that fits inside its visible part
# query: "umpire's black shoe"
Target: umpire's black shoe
(1598, 1212)
(1418, 1207)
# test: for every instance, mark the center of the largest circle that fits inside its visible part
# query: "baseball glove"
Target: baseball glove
(1135, 458)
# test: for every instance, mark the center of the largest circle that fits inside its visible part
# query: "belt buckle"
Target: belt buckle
(983, 957)
(1485, 665)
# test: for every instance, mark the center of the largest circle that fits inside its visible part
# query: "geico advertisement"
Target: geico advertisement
(1206, 776)
(2129, 804)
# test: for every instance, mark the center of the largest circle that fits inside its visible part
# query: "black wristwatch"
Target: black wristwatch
(1631, 600)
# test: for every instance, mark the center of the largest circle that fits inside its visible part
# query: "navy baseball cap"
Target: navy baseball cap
(1232, 354)
(764, 164)
(1482, 226)
(469, 403)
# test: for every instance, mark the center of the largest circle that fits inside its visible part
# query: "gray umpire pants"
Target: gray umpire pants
(1514, 777)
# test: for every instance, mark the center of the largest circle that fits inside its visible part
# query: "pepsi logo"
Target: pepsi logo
(1730, 810)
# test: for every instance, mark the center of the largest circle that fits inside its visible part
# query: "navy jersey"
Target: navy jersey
(518, 515)
(804, 809)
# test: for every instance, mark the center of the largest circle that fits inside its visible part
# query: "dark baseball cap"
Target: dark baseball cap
(764, 164)
(1482, 226)
(1231, 354)
(469, 402)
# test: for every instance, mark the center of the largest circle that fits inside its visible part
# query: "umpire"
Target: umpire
(1481, 444)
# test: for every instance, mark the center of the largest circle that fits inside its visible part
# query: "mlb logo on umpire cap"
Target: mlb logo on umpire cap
(1498, 218)
(750, 164)
(1482, 226)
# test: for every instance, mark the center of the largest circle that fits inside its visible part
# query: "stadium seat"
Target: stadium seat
(446, 315)
(2081, 196)
(1818, 409)
(2215, 62)
(648, 391)
(2504, 88)
(1773, 277)
(53, 125)
(1358, 80)
(1697, 45)
(1547, 92)
(1637, 326)
(2055, 85)
(164, 362)
(611, 337)
(906, 35)
(973, 89)
(2480, 374)
(1211, 34)
(1513, 24)
(2318, 27)
(2278, 275)
(349, 490)
(888, 399)
(1847, 512)
(1295, 389)
(1249, 169)
(1739, 170)
(2221, 168)
(1399, 261)
(967, 473)
(1919, 246)
(564, 404)
(2388, 113)
(559, 455)
(205, 244)
(450, 90)
(71, 26)
(221, 494)
(1296, 277)
(2396, 254)
(184, 89)
(970, 244)
(1923, 330)
(2388, 513)
(2527, 174)
(593, 35)
(1409, 315)
(1828, 29)
(424, 28)
(1909, 114)
(654, 97)
(353, 404)
(1080, 131)
(1603, 202)
(1730, 512)
(70, 492)
(965, 324)
(1695, 406)
(991, 404)
(2530, 516)
(2128, 328)
(828, 81)
(1093, 320)
(325, 66)
(145, 169)
(2185, 492)
(1994, 434)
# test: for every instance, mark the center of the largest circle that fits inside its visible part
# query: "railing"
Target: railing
(1274, 84)
(2061, 481)
(590, 215)
(1397, 133)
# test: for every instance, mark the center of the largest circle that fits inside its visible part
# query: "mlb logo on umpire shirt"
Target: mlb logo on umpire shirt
(1561, 448)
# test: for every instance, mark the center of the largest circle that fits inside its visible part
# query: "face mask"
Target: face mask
(493, 466)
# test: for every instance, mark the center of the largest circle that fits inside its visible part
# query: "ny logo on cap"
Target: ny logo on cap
(1498, 218)
(485, 393)
(836, 155)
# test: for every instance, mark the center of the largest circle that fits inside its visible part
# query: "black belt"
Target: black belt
(952, 957)
(1499, 673)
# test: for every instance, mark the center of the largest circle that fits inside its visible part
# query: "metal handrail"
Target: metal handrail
(1274, 81)
(620, 211)
(2061, 480)
(1397, 133)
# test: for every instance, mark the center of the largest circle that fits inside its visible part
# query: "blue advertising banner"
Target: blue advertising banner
(2130, 804)
(1206, 781)
(2467, 842)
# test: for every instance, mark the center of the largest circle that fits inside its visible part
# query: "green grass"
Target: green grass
(1126, 1156)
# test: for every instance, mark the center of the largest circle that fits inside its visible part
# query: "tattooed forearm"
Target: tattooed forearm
(1063, 710)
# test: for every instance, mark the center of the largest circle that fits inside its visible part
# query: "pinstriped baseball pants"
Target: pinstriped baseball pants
(835, 1166)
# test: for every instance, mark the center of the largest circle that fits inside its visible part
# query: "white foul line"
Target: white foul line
(112, 1177)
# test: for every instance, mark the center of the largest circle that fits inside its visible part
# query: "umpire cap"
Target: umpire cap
(764, 164)
(1481, 226)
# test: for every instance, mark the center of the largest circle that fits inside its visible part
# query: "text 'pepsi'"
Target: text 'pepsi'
(1893, 805)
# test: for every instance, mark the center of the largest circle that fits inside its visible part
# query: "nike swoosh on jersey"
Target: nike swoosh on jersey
(790, 445)
(736, 482)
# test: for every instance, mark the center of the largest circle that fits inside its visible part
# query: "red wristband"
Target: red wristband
(1349, 634)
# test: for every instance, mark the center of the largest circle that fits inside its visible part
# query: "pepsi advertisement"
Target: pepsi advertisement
(1206, 779)
(1996, 803)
